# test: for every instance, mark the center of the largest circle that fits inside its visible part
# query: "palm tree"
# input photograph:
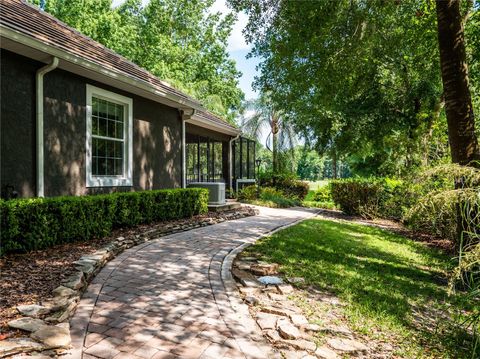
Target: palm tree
(261, 115)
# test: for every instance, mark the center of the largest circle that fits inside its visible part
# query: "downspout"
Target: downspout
(39, 124)
(185, 118)
(230, 158)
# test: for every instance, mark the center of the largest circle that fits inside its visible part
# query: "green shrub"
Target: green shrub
(322, 194)
(356, 196)
(28, 224)
(373, 197)
(276, 198)
(287, 183)
(247, 193)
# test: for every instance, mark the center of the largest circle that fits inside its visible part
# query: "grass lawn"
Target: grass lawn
(308, 200)
(394, 288)
(313, 185)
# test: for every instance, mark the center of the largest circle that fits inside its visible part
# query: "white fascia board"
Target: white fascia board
(213, 125)
(91, 66)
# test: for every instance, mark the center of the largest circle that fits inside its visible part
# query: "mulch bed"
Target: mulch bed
(28, 278)
(397, 228)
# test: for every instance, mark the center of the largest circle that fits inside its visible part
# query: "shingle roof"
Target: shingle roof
(33, 22)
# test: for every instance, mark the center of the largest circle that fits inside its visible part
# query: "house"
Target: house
(77, 118)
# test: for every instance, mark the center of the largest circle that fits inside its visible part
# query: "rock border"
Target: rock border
(240, 322)
(48, 321)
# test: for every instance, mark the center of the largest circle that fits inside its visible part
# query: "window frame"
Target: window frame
(126, 179)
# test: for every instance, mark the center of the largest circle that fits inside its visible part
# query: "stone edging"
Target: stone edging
(239, 320)
(48, 323)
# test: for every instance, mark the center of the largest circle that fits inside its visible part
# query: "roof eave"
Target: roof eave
(162, 96)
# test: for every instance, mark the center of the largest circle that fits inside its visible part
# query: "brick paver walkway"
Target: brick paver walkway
(167, 298)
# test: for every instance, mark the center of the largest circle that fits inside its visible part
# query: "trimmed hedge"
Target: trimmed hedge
(287, 183)
(37, 223)
(371, 197)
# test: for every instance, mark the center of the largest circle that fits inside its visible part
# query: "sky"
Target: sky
(238, 50)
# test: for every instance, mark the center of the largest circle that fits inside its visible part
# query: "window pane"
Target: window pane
(119, 130)
(94, 125)
(102, 127)
(118, 167)
(94, 106)
(119, 113)
(102, 108)
(111, 129)
(111, 111)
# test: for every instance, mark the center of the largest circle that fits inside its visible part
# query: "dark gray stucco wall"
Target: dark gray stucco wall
(17, 123)
(157, 155)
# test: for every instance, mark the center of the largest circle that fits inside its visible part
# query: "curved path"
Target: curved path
(172, 297)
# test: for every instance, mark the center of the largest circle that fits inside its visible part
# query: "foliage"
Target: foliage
(322, 194)
(281, 136)
(28, 224)
(362, 78)
(285, 182)
(391, 285)
(248, 193)
(179, 41)
(310, 165)
(448, 197)
(266, 196)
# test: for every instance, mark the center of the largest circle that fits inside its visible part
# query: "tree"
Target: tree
(179, 41)
(265, 116)
(458, 103)
(361, 77)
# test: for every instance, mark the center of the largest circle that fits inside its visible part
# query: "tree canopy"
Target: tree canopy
(180, 41)
(359, 78)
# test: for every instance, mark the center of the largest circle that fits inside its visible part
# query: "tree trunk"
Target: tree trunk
(458, 103)
(274, 126)
(334, 164)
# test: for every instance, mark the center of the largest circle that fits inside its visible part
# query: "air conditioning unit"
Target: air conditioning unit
(216, 191)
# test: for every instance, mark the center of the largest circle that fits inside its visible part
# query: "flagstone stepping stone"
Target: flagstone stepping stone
(264, 269)
(32, 310)
(298, 319)
(296, 355)
(277, 297)
(347, 345)
(267, 321)
(312, 328)
(27, 324)
(338, 330)
(247, 279)
(242, 265)
(287, 330)
(53, 336)
(299, 344)
(252, 300)
(278, 311)
(248, 290)
(285, 288)
(272, 335)
(270, 280)
(18, 345)
(326, 353)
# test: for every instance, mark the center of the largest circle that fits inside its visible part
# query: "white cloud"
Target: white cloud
(236, 41)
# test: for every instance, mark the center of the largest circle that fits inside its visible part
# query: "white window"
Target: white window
(109, 138)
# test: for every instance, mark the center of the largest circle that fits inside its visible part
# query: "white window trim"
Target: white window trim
(110, 181)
